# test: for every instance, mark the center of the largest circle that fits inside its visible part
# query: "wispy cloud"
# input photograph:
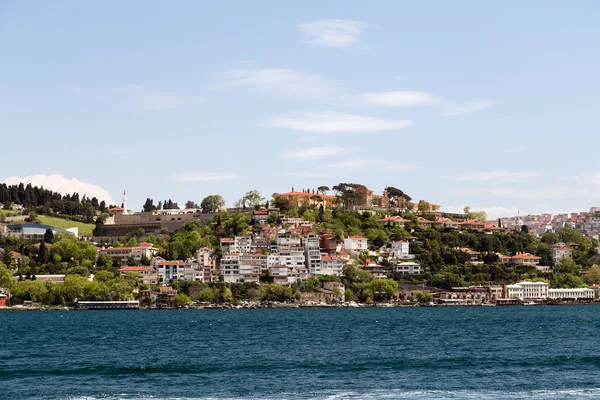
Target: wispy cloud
(498, 176)
(309, 174)
(206, 177)
(335, 122)
(283, 82)
(60, 184)
(147, 98)
(400, 98)
(332, 32)
(316, 153)
(453, 108)
(370, 164)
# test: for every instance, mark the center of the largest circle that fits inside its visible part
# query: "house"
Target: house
(146, 275)
(307, 198)
(408, 268)
(471, 224)
(331, 265)
(3, 300)
(473, 255)
(269, 232)
(401, 249)
(169, 271)
(393, 220)
(259, 259)
(573, 293)
(561, 250)
(356, 243)
(424, 222)
(279, 273)
(336, 287)
(248, 272)
(525, 259)
(378, 271)
(261, 216)
(122, 254)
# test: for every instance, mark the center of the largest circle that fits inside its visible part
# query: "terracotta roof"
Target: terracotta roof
(525, 255)
(136, 269)
(358, 237)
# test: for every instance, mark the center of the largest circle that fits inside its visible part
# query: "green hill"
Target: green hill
(84, 229)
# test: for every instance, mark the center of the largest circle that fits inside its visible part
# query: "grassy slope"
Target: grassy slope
(84, 229)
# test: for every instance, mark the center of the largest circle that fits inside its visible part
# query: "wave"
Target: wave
(592, 393)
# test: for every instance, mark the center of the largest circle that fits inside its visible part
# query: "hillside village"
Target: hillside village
(307, 246)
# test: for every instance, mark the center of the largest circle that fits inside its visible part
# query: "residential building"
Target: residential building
(401, 249)
(259, 259)
(408, 268)
(230, 267)
(328, 244)
(561, 250)
(336, 287)
(393, 220)
(312, 253)
(169, 271)
(356, 243)
(307, 198)
(146, 275)
(123, 254)
(248, 272)
(378, 271)
(525, 259)
(330, 265)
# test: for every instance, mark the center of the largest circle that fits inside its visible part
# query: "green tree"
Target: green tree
(593, 275)
(182, 300)
(250, 199)
(382, 289)
(191, 204)
(49, 236)
(104, 276)
(6, 279)
(43, 254)
(212, 203)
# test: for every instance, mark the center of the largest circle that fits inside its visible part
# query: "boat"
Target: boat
(530, 303)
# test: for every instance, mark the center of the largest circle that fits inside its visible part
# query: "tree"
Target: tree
(250, 199)
(382, 289)
(6, 279)
(49, 236)
(182, 300)
(422, 297)
(191, 204)
(212, 203)
(149, 205)
(475, 215)
(593, 275)
(323, 189)
(43, 253)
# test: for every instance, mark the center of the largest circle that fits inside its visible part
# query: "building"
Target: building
(575, 293)
(527, 290)
(312, 253)
(401, 249)
(3, 300)
(408, 268)
(307, 198)
(169, 271)
(378, 271)
(336, 288)
(393, 220)
(331, 265)
(229, 267)
(356, 243)
(146, 275)
(34, 231)
(525, 259)
(123, 254)
(561, 250)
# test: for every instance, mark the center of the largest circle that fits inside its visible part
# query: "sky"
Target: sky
(492, 105)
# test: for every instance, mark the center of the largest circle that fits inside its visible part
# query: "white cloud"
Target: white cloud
(284, 82)
(335, 122)
(498, 176)
(308, 174)
(400, 98)
(316, 153)
(370, 164)
(452, 108)
(332, 32)
(147, 98)
(206, 177)
(60, 184)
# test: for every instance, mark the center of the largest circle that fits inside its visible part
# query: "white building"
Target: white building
(138, 252)
(528, 290)
(408, 268)
(313, 253)
(169, 271)
(356, 243)
(400, 249)
(230, 267)
(575, 293)
(331, 265)
(560, 251)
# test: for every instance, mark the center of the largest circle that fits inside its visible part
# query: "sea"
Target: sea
(549, 352)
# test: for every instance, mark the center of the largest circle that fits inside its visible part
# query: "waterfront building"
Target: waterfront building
(574, 293)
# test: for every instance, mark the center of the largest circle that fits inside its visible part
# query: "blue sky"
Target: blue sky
(491, 105)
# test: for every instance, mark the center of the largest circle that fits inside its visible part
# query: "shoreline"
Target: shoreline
(288, 306)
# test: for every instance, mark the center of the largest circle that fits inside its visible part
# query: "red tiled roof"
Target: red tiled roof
(136, 269)
(525, 255)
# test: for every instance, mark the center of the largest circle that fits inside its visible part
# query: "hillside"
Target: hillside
(84, 229)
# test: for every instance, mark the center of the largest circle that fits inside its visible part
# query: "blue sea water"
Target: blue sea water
(375, 353)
